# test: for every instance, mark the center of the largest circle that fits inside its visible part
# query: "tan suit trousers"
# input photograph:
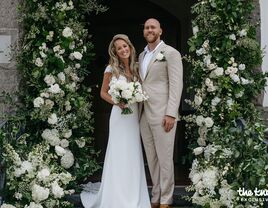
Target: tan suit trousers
(159, 148)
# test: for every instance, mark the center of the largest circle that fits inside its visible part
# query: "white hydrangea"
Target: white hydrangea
(67, 32)
(52, 136)
(208, 122)
(26, 166)
(34, 205)
(43, 174)
(38, 102)
(235, 78)
(52, 119)
(57, 191)
(7, 206)
(67, 160)
(49, 79)
(210, 179)
(39, 193)
(200, 51)
(65, 178)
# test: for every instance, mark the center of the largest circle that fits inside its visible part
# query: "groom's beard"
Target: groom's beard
(151, 38)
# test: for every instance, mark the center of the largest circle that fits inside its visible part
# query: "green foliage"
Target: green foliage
(227, 134)
(53, 120)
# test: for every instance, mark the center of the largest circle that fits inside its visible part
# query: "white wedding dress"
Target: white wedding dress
(123, 183)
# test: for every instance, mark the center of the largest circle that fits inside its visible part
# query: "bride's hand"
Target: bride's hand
(122, 105)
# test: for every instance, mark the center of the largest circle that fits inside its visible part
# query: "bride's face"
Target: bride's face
(122, 49)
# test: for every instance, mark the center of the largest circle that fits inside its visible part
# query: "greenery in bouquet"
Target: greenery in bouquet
(225, 131)
(54, 118)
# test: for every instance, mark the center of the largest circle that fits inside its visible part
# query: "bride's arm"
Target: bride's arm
(105, 88)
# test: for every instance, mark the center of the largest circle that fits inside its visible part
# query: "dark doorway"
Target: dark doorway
(128, 18)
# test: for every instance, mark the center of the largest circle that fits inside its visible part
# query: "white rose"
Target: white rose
(77, 66)
(215, 101)
(195, 30)
(244, 81)
(44, 94)
(67, 133)
(55, 89)
(235, 78)
(77, 55)
(241, 67)
(232, 37)
(60, 151)
(67, 32)
(199, 120)
(52, 119)
(198, 150)
(18, 195)
(67, 159)
(39, 193)
(49, 79)
(160, 56)
(208, 122)
(242, 33)
(80, 142)
(61, 77)
(42, 54)
(64, 143)
(127, 94)
(56, 48)
(49, 103)
(38, 102)
(198, 100)
(38, 62)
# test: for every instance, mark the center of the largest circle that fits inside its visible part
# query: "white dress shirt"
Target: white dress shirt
(147, 58)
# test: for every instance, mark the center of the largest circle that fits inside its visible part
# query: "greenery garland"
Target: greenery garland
(230, 150)
(56, 147)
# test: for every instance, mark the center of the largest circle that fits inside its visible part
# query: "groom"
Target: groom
(161, 73)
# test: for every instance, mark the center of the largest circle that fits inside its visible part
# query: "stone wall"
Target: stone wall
(9, 28)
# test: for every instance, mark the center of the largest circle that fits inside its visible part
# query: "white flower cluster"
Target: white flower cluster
(204, 49)
(45, 182)
(126, 92)
(64, 6)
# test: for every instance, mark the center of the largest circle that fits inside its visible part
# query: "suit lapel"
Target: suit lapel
(154, 58)
(140, 63)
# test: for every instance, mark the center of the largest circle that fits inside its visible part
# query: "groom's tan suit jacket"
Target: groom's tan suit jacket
(163, 84)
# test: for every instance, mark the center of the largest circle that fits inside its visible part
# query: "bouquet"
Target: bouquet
(126, 93)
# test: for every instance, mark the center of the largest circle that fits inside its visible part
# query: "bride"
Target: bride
(123, 183)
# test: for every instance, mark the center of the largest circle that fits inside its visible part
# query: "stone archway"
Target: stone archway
(128, 18)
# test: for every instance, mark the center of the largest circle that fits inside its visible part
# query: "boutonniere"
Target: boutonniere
(160, 56)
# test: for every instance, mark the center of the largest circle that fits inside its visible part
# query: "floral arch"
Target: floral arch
(226, 132)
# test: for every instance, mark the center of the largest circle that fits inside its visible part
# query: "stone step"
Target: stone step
(178, 201)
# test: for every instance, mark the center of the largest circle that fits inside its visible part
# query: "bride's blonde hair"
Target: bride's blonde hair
(117, 66)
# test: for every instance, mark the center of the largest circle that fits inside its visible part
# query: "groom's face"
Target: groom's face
(152, 30)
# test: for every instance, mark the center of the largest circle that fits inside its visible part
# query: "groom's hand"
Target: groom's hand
(168, 123)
